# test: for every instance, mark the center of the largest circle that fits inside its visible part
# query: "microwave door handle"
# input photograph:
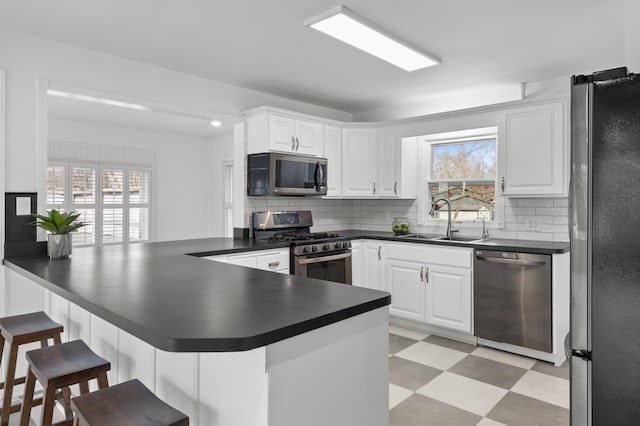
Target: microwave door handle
(321, 176)
(316, 182)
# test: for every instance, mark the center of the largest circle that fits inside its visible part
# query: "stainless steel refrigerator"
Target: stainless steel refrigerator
(604, 341)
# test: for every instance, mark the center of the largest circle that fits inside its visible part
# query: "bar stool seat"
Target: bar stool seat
(126, 404)
(19, 330)
(58, 367)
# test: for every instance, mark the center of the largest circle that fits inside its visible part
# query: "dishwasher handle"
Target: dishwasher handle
(511, 261)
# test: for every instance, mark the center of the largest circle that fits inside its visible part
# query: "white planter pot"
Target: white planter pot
(59, 246)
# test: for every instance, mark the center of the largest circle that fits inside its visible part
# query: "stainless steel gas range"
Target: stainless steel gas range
(321, 255)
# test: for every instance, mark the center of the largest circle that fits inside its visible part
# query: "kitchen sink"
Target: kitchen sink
(456, 239)
(419, 236)
(432, 237)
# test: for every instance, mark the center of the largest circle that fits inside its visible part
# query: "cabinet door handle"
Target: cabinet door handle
(426, 275)
(374, 187)
(379, 255)
(293, 143)
(274, 264)
(422, 274)
(502, 183)
(395, 188)
(297, 143)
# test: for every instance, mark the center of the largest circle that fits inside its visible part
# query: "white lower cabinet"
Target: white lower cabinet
(356, 262)
(448, 298)
(405, 283)
(267, 260)
(430, 284)
(373, 265)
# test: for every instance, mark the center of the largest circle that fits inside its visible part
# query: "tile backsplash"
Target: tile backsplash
(544, 219)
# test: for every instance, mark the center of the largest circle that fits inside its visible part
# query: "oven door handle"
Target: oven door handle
(310, 260)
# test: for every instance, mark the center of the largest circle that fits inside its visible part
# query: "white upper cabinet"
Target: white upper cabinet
(377, 163)
(359, 162)
(267, 131)
(309, 138)
(333, 153)
(533, 151)
(388, 167)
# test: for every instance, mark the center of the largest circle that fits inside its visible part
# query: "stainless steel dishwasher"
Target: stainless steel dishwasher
(512, 298)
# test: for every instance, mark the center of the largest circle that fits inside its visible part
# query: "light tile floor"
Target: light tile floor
(437, 381)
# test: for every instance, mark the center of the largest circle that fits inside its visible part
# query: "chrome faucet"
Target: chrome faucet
(434, 207)
(485, 233)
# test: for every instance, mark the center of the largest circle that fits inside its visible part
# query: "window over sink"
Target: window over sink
(462, 170)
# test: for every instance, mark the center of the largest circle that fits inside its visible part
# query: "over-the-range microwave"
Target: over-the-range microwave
(272, 173)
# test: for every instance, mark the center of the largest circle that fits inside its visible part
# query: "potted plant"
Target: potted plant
(59, 225)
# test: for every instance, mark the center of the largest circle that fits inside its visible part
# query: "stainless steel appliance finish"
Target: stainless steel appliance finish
(605, 242)
(272, 173)
(282, 220)
(512, 298)
(323, 255)
(325, 260)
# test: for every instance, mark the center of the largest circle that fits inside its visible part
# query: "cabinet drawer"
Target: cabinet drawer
(245, 259)
(274, 261)
(460, 257)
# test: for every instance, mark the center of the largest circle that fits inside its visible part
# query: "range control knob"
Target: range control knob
(326, 247)
(305, 249)
(314, 248)
(338, 245)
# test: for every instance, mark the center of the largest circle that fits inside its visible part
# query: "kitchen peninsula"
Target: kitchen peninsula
(227, 345)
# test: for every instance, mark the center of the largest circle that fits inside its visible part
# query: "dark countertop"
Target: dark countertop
(181, 303)
(527, 246)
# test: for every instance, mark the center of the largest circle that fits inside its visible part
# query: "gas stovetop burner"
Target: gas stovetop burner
(297, 236)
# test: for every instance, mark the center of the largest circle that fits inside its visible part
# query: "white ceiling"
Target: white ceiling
(156, 121)
(263, 45)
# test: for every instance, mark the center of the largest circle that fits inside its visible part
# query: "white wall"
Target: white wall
(26, 58)
(220, 150)
(180, 179)
(632, 35)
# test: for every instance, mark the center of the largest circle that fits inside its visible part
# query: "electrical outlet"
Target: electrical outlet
(532, 224)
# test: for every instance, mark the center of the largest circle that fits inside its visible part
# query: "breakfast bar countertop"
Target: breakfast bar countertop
(167, 296)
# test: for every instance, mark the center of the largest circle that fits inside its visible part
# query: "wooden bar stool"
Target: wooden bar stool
(19, 330)
(126, 404)
(58, 367)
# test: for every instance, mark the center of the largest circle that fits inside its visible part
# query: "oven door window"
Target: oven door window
(336, 270)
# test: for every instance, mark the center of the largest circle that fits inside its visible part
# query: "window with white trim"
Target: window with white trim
(462, 170)
(227, 168)
(113, 200)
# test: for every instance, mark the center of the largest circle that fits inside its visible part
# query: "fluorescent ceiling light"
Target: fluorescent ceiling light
(216, 123)
(103, 101)
(342, 23)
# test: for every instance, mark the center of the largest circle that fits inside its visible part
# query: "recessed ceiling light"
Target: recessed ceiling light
(86, 98)
(342, 23)
(216, 123)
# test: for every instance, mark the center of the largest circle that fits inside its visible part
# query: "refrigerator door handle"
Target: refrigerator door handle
(582, 354)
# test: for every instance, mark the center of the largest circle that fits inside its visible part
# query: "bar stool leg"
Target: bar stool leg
(102, 380)
(27, 403)
(84, 388)
(66, 398)
(47, 405)
(8, 385)
(2, 385)
(1, 350)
